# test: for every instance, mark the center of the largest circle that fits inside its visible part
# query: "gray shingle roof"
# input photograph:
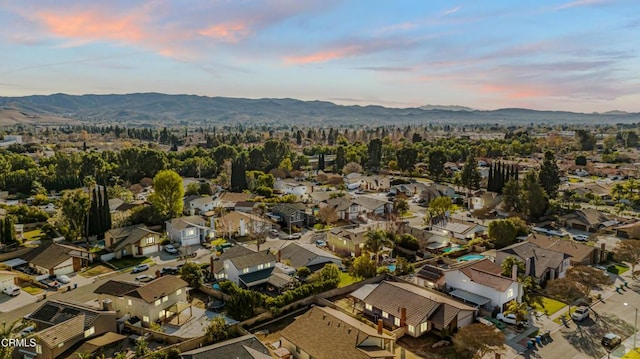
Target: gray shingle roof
(253, 259)
(245, 347)
(300, 255)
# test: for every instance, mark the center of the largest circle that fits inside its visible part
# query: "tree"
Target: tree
(533, 197)
(440, 206)
(550, 174)
(216, 331)
(628, 250)
(376, 240)
(7, 331)
(589, 277)
(518, 309)
(565, 289)
(193, 189)
(509, 262)
(470, 176)
(142, 348)
(503, 232)
(585, 139)
(238, 174)
(407, 157)
(168, 193)
(327, 215)
(192, 274)
(436, 160)
(74, 208)
(352, 167)
(340, 159)
(363, 267)
(330, 272)
(512, 196)
(374, 150)
(303, 272)
(477, 340)
(400, 207)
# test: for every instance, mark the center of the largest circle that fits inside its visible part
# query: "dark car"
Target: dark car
(169, 270)
(610, 341)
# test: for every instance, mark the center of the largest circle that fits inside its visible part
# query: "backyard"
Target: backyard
(346, 279)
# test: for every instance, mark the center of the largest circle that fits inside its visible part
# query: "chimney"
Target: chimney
(380, 326)
(212, 222)
(603, 252)
(279, 256)
(243, 228)
(211, 264)
(403, 316)
(528, 266)
(514, 272)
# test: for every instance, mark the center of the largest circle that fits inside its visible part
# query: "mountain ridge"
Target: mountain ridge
(183, 109)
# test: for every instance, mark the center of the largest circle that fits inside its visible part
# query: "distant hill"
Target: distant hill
(163, 109)
(9, 116)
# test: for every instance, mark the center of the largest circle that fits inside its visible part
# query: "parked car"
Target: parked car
(11, 290)
(169, 270)
(500, 325)
(581, 238)
(610, 341)
(295, 236)
(144, 278)
(580, 314)
(140, 268)
(509, 319)
(63, 279)
(274, 232)
(600, 266)
(170, 249)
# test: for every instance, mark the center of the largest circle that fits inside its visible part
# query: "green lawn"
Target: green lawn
(549, 306)
(558, 320)
(128, 262)
(617, 268)
(96, 270)
(32, 235)
(218, 241)
(32, 290)
(346, 279)
(632, 354)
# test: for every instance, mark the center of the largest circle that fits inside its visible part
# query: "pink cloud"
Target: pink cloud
(228, 32)
(322, 56)
(515, 92)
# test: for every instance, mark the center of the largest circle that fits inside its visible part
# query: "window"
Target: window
(226, 266)
(510, 293)
(396, 321)
(165, 298)
(121, 298)
(129, 302)
(424, 327)
(61, 345)
(89, 332)
(245, 271)
(190, 232)
(150, 240)
(145, 319)
(385, 314)
(260, 266)
(38, 349)
(368, 307)
(157, 302)
(162, 314)
(269, 265)
(179, 291)
(412, 329)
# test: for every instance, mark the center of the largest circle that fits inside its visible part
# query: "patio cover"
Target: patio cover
(16, 262)
(470, 297)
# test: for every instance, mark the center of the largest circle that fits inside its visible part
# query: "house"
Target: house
(352, 209)
(540, 263)
(347, 241)
(244, 267)
(244, 347)
(482, 284)
(159, 300)
(291, 214)
(325, 333)
(228, 200)
(484, 199)
(199, 204)
(345, 208)
(352, 181)
(430, 276)
(420, 309)
(458, 229)
(60, 326)
(55, 259)
(375, 183)
(189, 231)
(242, 224)
(579, 253)
(307, 255)
(100, 344)
(114, 204)
(134, 241)
(588, 220)
(7, 279)
(290, 187)
(628, 231)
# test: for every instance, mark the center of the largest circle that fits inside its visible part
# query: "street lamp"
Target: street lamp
(635, 324)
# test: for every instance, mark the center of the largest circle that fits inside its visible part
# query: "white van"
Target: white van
(11, 290)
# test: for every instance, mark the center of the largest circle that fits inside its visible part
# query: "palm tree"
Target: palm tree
(520, 310)
(7, 332)
(617, 191)
(376, 240)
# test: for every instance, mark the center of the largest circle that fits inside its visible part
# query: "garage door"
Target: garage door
(580, 227)
(63, 270)
(191, 241)
(149, 250)
(5, 282)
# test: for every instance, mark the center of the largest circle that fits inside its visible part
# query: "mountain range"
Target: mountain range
(163, 109)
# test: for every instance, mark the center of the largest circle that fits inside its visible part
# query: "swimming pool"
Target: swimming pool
(451, 249)
(470, 257)
(392, 268)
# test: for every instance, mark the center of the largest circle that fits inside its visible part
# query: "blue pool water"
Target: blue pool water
(451, 249)
(392, 268)
(470, 257)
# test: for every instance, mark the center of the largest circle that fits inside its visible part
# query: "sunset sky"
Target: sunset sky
(580, 55)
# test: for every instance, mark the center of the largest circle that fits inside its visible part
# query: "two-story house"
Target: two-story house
(326, 333)
(481, 283)
(307, 255)
(60, 326)
(199, 204)
(541, 263)
(345, 208)
(291, 214)
(158, 300)
(579, 253)
(249, 270)
(134, 241)
(421, 310)
(290, 187)
(242, 224)
(189, 231)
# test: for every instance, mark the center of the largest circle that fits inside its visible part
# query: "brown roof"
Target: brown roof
(185, 222)
(486, 273)
(158, 288)
(235, 197)
(587, 216)
(577, 251)
(62, 332)
(326, 333)
(134, 236)
(48, 255)
(543, 258)
(116, 288)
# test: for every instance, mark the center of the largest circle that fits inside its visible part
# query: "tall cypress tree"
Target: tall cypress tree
(321, 163)
(92, 225)
(2, 231)
(490, 186)
(106, 210)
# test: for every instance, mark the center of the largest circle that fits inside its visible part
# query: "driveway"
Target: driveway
(9, 304)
